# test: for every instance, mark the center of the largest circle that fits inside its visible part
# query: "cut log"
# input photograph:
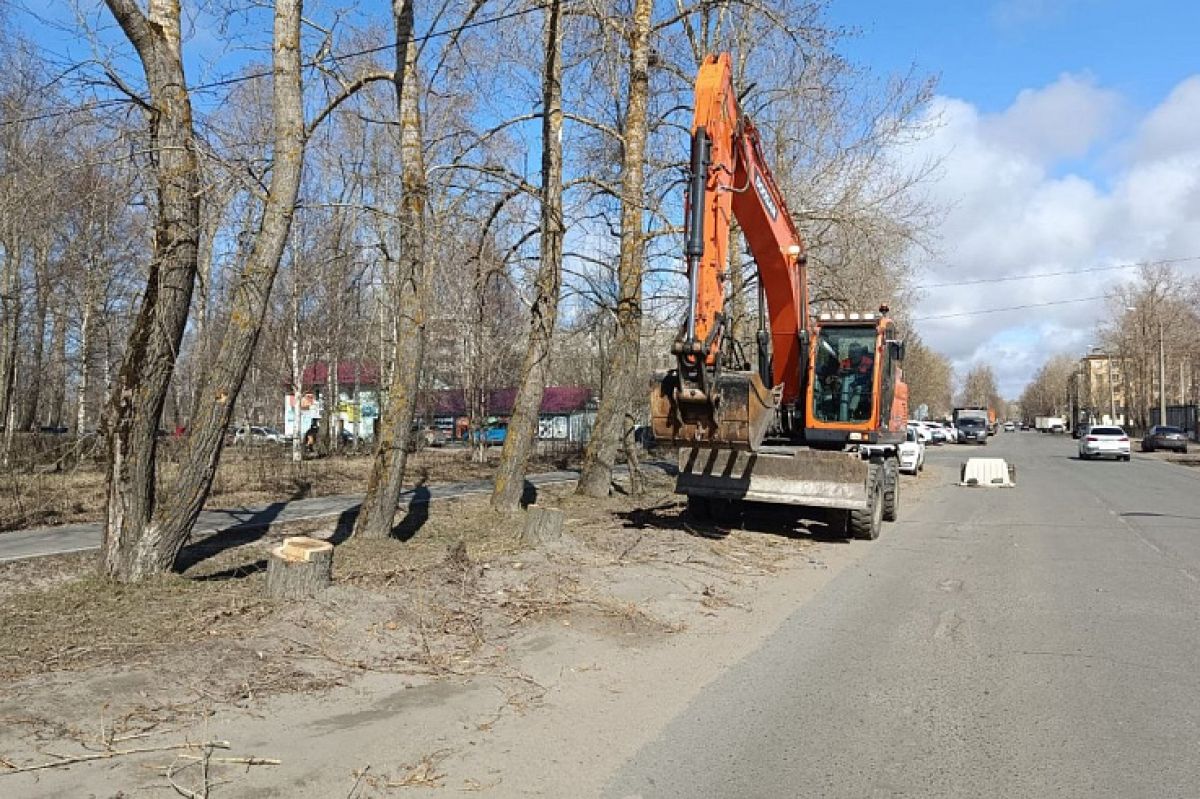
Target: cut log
(542, 525)
(299, 568)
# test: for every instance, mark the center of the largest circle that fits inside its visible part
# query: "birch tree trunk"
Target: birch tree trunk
(611, 426)
(85, 362)
(10, 304)
(56, 399)
(523, 425)
(32, 370)
(413, 285)
(224, 376)
(140, 388)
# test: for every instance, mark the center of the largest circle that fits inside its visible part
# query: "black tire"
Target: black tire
(1125, 458)
(1083, 456)
(1147, 449)
(865, 524)
(699, 509)
(891, 489)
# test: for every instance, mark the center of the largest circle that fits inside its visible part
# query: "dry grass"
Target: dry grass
(89, 622)
(246, 477)
(446, 602)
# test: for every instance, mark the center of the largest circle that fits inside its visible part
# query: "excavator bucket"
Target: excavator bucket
(736, 413)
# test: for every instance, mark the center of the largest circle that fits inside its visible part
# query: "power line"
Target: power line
(379, 49)
(960, 314)
(1084, 271)
(267, 73)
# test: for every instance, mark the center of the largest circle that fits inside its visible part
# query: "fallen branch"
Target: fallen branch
(69, 761)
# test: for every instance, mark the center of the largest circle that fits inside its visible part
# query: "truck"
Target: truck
(817, 419)
(1050, 424)
(974, 412)
(972, 424)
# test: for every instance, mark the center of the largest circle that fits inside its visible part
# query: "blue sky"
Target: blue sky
(1068, 136)
(986, 51)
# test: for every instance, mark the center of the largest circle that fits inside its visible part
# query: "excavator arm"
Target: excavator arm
(730, 180)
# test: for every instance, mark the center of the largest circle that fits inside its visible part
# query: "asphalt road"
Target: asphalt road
(1038, 641)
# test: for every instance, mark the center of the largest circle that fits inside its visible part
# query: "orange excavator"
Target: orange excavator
(818, 420)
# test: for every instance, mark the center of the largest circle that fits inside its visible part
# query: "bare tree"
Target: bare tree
(414, 277)
(161, 541)
(134, 411)
(929, 377)
(979, 388)
(523, 425)
(612, 427)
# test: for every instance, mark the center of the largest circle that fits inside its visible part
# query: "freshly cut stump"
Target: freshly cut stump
(299, 568)
(542, 524)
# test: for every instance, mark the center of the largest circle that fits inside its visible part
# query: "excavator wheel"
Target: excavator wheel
(865, 524)
(891, 489)
(699, 509)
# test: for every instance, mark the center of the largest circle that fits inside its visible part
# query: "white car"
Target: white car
(951, 432)
(1104, 441)
(1009, 427)
(912, 453)
(923, 433)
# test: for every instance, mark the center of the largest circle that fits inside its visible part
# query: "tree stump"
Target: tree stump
(299, 568)
(542, 524)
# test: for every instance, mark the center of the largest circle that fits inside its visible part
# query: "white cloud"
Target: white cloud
(1043, 187)
(1063, 119)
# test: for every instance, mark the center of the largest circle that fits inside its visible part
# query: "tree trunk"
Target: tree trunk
(596, 477)
(297, 372)
(32, 389)
(523, 425)
(223, 378)
(85, 363)
(10, 305)
(57, 399)
(136, 404)
(413, 286)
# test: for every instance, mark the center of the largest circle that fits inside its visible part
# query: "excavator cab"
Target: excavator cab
(855, 392)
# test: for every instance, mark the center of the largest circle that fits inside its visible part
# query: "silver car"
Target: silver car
(1104, 441)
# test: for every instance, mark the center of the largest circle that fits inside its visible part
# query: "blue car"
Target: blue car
(492, 434)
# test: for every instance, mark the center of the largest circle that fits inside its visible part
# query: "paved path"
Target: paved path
(41, 541)
(1039, 641)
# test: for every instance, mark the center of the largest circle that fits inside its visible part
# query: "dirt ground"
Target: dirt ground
(465, 658)
(246, 477)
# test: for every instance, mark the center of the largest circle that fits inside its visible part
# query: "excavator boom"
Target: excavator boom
(700, 401)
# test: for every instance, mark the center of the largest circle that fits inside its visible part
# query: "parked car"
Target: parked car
(1009, 427)
(1104, 441)
(923, 434)
(972, 430)
(492, 434)
(258, 434)
(1163, 436)
(422, 436)
(951, 432)
(912, 453)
